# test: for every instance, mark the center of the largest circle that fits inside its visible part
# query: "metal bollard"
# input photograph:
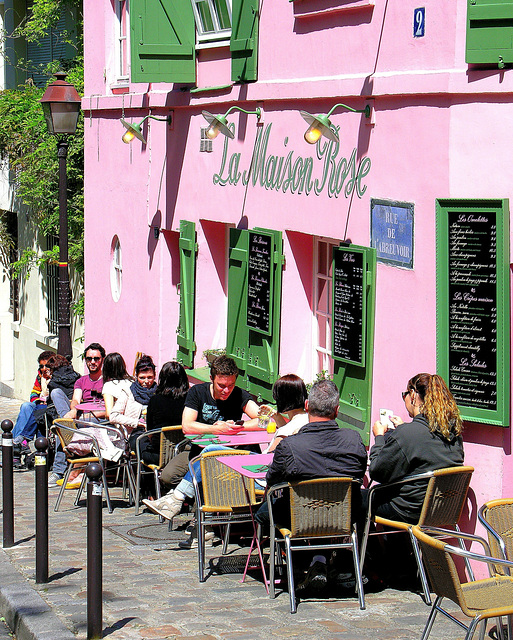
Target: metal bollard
(94, 551)
(41, 510)
(7, 485)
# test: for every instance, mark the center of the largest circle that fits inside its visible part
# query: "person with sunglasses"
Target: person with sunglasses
(26, 425)
(87, 388)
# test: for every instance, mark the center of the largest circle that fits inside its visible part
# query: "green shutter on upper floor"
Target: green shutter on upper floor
(162, 41)
(489, 32)
(244, 40)
(255, 352)
(185, 332)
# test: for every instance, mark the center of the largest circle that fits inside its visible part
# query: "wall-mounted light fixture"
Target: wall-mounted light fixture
(134, 130)
(219, 124)
(321, 125)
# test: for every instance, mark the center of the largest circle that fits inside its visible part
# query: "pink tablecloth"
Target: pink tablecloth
(237, 463)
(248, 437)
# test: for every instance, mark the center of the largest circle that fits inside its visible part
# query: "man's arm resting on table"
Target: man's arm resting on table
(251, 410)
(77, 397)
(190, 425)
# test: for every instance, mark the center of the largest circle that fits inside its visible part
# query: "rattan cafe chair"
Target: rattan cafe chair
(65, 429)
(222, 498)
(170, 439)
(497, 518)
(478, 599)
(320, 518)
(446, 495)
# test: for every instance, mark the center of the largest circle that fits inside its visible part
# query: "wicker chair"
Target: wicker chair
(497, 518)
(446, 494)
(479, 599)
(221, 500)
(320, 515)
(65, 429)
(170, 439)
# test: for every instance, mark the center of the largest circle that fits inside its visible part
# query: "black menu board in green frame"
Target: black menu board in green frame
(260, 282)
(473, 309)
(349, 300)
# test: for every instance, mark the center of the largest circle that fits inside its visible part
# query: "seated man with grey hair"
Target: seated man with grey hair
(321, 449)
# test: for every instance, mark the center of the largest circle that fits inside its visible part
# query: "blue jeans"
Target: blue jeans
(185, 485)
(26, 425)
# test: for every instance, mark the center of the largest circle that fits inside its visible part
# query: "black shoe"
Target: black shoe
(316, 578)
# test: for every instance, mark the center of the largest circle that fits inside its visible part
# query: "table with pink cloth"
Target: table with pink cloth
(252, 466)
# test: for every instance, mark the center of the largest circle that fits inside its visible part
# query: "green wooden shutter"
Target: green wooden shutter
(237, 335)
(256, 353)
(162, 41)
(244, 40)
(185, 332)
(353, 380)
(489, 32)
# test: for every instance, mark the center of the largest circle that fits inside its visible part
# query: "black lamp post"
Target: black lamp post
(61, 106)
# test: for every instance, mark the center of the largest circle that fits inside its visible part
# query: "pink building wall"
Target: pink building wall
(440, 130)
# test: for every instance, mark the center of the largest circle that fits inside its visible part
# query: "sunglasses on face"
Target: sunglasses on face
(405, 393)
(43, 366)
(92, 359)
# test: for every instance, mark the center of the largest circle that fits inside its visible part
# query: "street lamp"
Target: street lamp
(61, 106)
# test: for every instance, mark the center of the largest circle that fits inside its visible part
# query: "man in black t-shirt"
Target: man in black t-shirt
(214, 407)
(210, 407)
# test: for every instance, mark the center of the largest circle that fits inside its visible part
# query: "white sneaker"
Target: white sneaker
(52, 479)
(192, 540)
(168, 506)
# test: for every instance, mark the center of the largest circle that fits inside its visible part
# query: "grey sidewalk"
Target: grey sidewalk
(151, 589)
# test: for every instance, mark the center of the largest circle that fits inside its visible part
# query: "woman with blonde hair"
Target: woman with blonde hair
(432, 440)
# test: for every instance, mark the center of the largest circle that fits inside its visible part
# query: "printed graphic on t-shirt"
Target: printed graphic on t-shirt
(211, 413)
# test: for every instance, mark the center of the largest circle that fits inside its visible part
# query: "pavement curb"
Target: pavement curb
(26, 613)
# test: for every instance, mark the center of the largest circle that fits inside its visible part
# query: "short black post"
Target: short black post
(94, 551)
(41, 510)
(7, 485)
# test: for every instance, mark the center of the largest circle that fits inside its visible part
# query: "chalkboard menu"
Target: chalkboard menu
(348, 334)
(259, 281)
(473, 307)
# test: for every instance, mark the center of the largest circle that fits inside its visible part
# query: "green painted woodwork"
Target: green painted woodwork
(162, 39)
(185, 331)
(355, 381)
(256, 354)
(473, 302)
(489, 32)
(244, 40)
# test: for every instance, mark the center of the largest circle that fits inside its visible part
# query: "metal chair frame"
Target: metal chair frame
(437, 556)
(434, 501)
(168, 450)
(63, 426)
(314, 536)
(222, 499)
(496, 516)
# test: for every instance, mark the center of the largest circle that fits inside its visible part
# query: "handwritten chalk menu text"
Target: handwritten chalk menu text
(348, 305)
(259, 282)
(473, 308)
(473, 317)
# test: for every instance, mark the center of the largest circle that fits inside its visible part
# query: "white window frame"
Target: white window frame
(116, 269)
(212, 38)
(122, 42)
(323, 359)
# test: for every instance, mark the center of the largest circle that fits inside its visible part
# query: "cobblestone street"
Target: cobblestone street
(151, 589)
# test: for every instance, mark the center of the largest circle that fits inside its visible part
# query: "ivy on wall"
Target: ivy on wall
(30, 153)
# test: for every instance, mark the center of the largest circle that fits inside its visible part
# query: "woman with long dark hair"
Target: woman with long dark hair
(115, 379)
(164, 409)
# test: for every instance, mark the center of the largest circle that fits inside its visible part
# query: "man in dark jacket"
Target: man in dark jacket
(321, 449)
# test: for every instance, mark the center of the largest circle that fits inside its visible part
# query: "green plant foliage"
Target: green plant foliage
(30, 151)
